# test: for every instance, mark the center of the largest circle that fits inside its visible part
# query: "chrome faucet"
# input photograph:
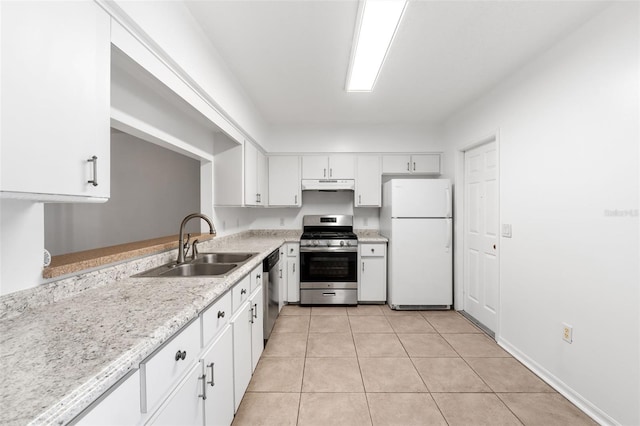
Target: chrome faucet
(212, 230)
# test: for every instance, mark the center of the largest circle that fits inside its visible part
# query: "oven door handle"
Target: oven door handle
(328, 249)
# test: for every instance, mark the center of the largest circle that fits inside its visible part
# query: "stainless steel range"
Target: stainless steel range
(328, 261)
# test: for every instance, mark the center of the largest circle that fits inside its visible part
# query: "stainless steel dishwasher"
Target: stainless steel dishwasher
(270, 280)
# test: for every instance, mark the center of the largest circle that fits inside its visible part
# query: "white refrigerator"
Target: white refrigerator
(416, 218)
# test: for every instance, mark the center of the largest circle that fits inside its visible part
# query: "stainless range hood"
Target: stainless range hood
(328, 184)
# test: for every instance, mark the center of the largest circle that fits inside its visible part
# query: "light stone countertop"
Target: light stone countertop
(370, 236)
(56, 358)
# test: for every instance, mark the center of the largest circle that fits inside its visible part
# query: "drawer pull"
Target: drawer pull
(181, 355)
(328, 294)
(212, 382)
(255, 310)
(220, 314)
(243, 291)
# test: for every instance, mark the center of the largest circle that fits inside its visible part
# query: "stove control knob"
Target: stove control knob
(315, 242)
(328, 243)
(341, 243)
(348, 243)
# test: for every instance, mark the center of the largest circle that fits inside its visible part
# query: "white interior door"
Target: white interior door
(481, 281)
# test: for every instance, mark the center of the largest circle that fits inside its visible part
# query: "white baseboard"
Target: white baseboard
(563, 389)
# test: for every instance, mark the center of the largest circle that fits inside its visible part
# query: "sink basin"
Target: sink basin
(223, 257)
(199, 269)
(206, 264)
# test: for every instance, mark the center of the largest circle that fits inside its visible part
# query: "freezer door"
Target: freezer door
(420, 262)
(420, 198)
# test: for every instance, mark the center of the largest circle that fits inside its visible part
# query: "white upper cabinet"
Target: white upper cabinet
(426, 164)
(255, 176)
(284, 181)
(337, 166)
(55, 101)
(368, 181)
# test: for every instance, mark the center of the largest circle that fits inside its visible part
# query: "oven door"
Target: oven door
(325, 265)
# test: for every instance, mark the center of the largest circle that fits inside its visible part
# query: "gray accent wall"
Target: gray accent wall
(152, 189)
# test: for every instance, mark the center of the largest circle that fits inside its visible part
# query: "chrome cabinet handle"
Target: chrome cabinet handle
(408, 167)
(324, 172)
(251, 315)
(212, 382)
(294, 267)
(280, 273)
(181, 355)
(414, 166)
(220, 314)
(295, 199)
(204, 387)
(331, 172)
(362, 266)
(94, 160)
(255, 310)
(243, 291)
(359, 199)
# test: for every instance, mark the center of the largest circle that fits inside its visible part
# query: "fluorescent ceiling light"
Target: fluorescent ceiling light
(379, 21)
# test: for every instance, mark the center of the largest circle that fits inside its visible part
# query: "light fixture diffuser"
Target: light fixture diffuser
(378, 23)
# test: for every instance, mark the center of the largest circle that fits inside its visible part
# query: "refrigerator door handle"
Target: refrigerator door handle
(448, 195)
(449, 235)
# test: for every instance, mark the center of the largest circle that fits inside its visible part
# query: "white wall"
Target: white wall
(568, 147)
(21, 244)
(355, 138)
(174, 30)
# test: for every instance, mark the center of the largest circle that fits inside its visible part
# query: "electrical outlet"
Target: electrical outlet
(282, 221)
(567, 333)
(506, 230)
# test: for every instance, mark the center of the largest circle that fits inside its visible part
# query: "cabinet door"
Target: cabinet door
(373, 280)
(315, 167)
(396, 164)
(218, 372)
(342, 167)
(426, 164)
(241, 324)
(293, 274)
(284, 181)
(120, 407)
(185, 405)
(262, 179)
(55, 84)
(257, 327)
(250, 174)
(373, 273)
(368, 182)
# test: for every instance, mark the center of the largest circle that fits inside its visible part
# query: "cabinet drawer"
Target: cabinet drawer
(371, 250)
(215, 317)
(162, 369)
(256, 278)
(293, 250)
(240, 292)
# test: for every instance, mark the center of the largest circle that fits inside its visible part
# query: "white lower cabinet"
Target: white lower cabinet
(218, 371)
(200, 375)
(293, 272)
(257, 327)
(185, 405)
(372, 286)
(120, 405)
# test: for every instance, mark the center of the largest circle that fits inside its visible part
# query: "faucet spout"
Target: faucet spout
(212, 230)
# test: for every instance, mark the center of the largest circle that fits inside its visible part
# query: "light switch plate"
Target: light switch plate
(506, 230)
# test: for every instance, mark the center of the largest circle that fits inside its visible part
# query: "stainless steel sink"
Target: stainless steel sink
(199, 269)
(206, 264)
(223, 257)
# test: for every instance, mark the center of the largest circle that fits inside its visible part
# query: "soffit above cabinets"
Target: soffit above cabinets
(292, 56)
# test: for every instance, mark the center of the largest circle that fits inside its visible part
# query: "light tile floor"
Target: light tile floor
(370, 365)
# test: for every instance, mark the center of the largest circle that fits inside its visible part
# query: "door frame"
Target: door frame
(459, 222)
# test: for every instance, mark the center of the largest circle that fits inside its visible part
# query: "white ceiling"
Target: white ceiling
(292, 56)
